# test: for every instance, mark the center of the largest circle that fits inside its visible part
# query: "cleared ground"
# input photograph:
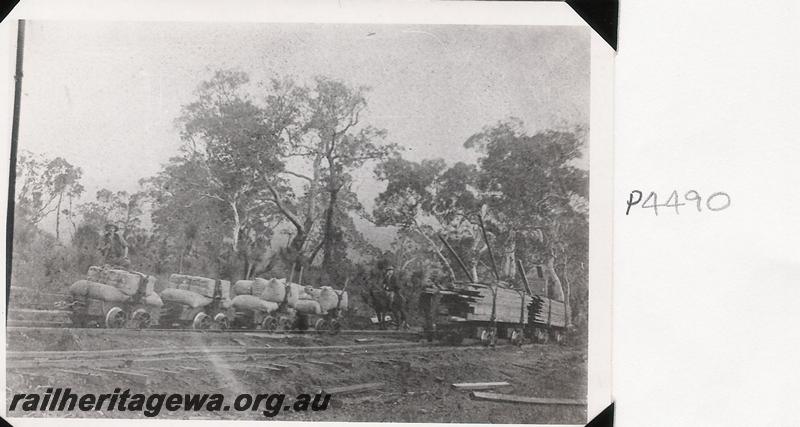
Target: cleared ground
(416, 377)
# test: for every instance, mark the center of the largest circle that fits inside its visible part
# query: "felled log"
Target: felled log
(510, 398)
(357, 388)
(480, 386)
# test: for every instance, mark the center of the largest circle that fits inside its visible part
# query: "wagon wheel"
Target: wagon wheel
(221, 321)
(321, 325)
(284, 323)
(140, 319)
(335, 326)
(202, 321)
(540, 335)
(270, 323)
(115, 318)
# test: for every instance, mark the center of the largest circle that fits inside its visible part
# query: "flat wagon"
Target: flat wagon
(489, 311)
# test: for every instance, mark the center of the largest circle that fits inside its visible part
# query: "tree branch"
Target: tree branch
(299, 175)
(281, 207)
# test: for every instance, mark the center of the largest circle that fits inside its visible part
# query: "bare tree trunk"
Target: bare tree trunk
(473, 269)
(439, 254)
(567, 294)
(237, 225)
(71, 217)
(557, 285)
(509, 256)
(328, 235)
(58, 216)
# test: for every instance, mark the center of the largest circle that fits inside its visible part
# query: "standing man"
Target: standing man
(391, 284)
(114, 248)
(397, 304)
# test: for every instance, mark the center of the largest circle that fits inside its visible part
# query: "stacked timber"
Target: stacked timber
(547, 311)
(510, 304)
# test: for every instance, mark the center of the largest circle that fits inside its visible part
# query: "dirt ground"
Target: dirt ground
(416, 378)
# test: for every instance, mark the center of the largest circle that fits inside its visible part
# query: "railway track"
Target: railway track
(22, 319)
(60, 327)
(134, 357)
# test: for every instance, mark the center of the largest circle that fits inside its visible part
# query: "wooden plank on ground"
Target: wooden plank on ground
(319, 362)
(38, 364)
(79, 373)
(480, 386)
(510, 398)
(42, 312)
(136, 377)
(265, 367)
(162, 371)
(357, 388)
(89, 354)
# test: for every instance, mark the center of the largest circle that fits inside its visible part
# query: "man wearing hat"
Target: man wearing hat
(114, 248)
(391, 284)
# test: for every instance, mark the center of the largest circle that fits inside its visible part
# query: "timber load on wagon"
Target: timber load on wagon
(488, 311)
(480, 310)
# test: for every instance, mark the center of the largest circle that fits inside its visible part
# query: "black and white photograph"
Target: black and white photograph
(305, 221)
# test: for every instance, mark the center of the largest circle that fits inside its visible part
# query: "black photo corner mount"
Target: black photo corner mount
(4, 423)
(7, 7)
(603, 419)
(601, 15)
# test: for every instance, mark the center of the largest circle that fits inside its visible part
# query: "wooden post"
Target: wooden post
(14, 139)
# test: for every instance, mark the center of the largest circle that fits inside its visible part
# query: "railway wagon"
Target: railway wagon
(279, 305)
(264, 304)
(332, 305)
(114, 298)
(490, 311)
(196, 302)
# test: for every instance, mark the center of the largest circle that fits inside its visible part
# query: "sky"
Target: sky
(105, 95)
